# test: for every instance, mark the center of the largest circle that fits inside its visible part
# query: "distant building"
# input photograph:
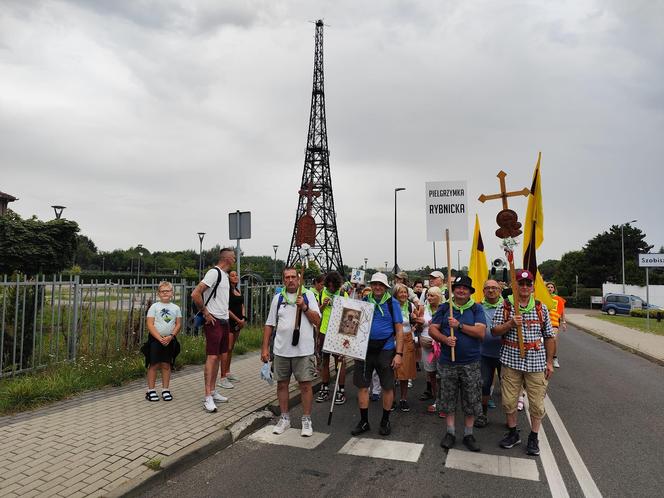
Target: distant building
(4, 200)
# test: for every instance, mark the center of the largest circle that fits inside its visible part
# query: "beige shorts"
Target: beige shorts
(512, 382)
(303, 368)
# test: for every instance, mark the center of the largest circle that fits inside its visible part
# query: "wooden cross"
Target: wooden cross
(504, 194)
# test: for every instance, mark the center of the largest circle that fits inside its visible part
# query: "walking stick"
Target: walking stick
(298, 313)
(336, 388)
(449, 287)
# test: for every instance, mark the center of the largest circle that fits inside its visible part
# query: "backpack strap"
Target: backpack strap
(540, 313)
(214, 289)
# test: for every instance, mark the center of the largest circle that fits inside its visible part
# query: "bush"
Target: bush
(643, 313)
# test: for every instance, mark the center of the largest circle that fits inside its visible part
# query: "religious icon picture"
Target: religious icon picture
(350, 321)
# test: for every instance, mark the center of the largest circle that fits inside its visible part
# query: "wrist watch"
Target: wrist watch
(399, 353)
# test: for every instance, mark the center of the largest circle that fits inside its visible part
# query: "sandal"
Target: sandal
(166, 395)
(151, 396)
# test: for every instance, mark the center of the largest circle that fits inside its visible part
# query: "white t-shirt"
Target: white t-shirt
(218, 305)
(165, 315)
(427, 321)
(284, 335)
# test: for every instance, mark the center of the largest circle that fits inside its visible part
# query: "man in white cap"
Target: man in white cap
(384, 354)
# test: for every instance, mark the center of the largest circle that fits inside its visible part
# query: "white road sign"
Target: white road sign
(651, 260)
(446, 207)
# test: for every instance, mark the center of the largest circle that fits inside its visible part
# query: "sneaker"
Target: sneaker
(218, 397)
(442, 414)
(426, 395)
(375, 396)
(470, 443)
(360, 428)
(556, 363)
(404, 406)
(385, 428)
(448, 441)
(340, 398)
(410, 384)
(481, 421)
(394, 406)
(232, 377)
(225, 383)
(519, 404)
(307, 428)
(209, 405)
(323, 395)
(282, 426)
(492, 403)
(510, 440)
(431, 408)
(532, 448)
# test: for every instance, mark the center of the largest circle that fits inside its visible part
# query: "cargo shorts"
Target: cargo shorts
(511, 385)
(464, 379)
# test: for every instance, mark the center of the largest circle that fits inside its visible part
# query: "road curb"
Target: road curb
(625, 347)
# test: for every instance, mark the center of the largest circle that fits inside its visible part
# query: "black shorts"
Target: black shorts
(159, 353)
(381, 362)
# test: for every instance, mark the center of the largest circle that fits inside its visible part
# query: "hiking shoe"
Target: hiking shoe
(404, 406)
(448, 441)
(385, 428)
(360, 428)
(340, 398)
(556, 363)
(532, 447)
(492, 403)
(225, 383)
(232, 377)
(470, 443)
(481, 421)
(282, 426)
(426, 395)
(519, 404)
(307, 427)
(209, 405)
(323, 395)
(375, 396)
(510, 440)
(218, 397)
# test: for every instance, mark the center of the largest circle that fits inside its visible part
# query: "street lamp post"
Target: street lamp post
(622, 250)
(385, 266)
(138, 270)
(396, 266)
(274, 272)
(366, 260)
(102, 263)
(201, 235)
(58, 211)
(459, 260)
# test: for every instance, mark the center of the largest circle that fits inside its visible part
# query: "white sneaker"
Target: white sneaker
(556, 364)
(218, 397)
(209, 405)
(232, 377)
(225, 383)
(307, 428)
(410, 384)
(282, 426)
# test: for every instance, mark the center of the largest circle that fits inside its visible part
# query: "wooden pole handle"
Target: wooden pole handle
(515, 295)
(449, 287)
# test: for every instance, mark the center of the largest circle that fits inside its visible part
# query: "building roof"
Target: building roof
(7, 197)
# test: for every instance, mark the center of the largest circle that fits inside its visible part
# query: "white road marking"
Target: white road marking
(289, 438)
(551, 470)
(381, 448)
(519, 468)
(579, 468)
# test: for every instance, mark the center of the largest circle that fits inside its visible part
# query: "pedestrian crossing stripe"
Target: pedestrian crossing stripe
(290, 437)
(381, 448)
(497, 465)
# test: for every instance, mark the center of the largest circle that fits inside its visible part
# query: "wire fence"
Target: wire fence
(45, 321)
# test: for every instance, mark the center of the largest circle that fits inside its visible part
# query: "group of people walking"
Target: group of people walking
(460, 345)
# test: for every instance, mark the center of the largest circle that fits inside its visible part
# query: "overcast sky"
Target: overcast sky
(152, 120)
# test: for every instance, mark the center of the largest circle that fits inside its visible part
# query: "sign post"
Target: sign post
(239, 227)
(647, 260)
(447, 212)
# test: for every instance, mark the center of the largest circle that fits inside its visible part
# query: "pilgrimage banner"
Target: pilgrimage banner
(348, 330)
(446, 206)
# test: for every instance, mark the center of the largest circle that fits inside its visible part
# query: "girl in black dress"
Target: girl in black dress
(236, 320)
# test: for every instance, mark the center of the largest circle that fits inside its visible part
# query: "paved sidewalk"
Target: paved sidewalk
(91, 444)
(650, 346)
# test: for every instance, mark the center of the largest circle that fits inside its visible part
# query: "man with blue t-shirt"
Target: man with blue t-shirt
(384, 354)
(463, 374)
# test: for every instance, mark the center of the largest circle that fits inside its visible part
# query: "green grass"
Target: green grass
(634, 322)
(154, 464)
(63, 380)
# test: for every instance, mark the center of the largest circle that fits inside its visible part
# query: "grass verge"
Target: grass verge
(634, 322)
(62, 380)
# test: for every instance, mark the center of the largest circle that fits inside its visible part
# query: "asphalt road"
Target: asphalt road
(610, 403)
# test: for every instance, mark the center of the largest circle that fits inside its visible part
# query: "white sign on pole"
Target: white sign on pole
(446, 207)
(651, 260)
(357, 276)
(349, 327)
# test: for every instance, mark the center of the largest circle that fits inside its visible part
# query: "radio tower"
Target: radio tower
(315, 219)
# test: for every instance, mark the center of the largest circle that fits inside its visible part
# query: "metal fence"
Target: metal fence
(45, 321)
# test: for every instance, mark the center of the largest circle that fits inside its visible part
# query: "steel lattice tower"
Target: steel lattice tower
(315, 219)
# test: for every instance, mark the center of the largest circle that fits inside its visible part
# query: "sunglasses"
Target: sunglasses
(525, 283)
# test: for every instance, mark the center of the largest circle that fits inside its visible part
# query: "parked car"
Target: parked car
(624, 303)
